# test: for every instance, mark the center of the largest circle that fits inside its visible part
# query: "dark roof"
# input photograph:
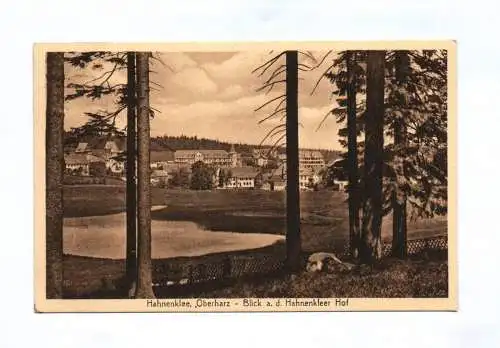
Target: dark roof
(77, 158)
(244, 172)
(277, 179)
(161, 156)
(175, 167)
(99, 143)
(82, 147)
(338, 163)
(332, 156)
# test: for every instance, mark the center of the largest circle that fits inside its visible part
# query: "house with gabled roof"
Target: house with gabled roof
(111, 150)
(80, 163)
(242, 177)
(82, 148)
(274, 183)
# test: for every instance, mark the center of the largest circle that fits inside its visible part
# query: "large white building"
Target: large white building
(216, 158)
(307, 159)
(310, 165)
(311, 159)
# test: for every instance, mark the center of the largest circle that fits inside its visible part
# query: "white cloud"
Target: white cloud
(218, 100)
(307, 114)
(237, 68)
(194, 81)
(231, 92)
(326, 136)
(237, 121)
(177, 61)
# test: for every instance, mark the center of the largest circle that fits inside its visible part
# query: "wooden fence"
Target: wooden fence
(192, 271)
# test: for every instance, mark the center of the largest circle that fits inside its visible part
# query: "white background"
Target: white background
(473, 24)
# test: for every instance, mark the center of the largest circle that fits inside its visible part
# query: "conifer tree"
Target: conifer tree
(54, 169)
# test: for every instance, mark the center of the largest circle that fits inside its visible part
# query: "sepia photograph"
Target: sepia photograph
(245, 177)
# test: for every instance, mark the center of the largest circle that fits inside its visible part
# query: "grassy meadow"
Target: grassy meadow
(324, 227)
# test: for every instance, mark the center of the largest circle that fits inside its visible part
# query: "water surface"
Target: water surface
(104, 236)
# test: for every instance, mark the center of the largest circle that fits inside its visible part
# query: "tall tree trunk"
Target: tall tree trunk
(144, 263)
(399, 227)
(293, 243)
(352, 157)
(54, 167)
(371, 244)
(131, 252)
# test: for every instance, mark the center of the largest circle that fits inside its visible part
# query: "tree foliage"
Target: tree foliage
(106, 65)
(224, 177)
(201, 176)
(419, 169)
(180, 178)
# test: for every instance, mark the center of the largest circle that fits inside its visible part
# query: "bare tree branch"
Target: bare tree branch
(271, 84)
(304, 66)
(156, 84)
(280, 103)
(158, 111)
(158, 59)
(278, 142)
(98, 77)
(324, 119)
(308, 54)
(269, 102)
(279, 70)
(271, 131)
(277, 112)
(110, 73)
(323, 75)
(322, 60)
(277, 131)
(267, 64)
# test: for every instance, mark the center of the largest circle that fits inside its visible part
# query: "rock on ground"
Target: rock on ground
(326, 262)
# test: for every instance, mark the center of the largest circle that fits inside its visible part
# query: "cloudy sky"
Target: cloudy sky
(213, 95)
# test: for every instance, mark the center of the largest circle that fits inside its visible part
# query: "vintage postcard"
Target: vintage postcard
(244, 177)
